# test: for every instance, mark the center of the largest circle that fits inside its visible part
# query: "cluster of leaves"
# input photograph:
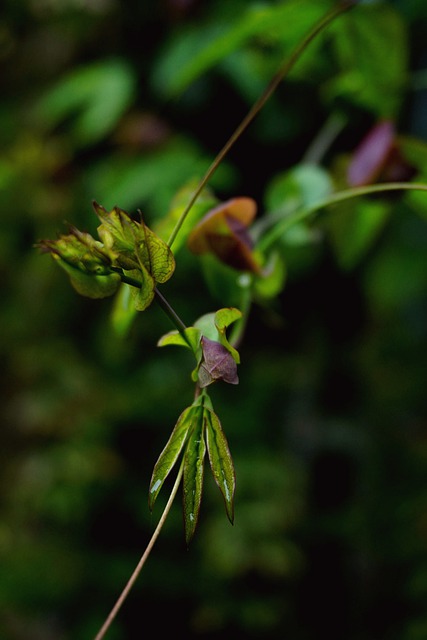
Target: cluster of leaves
(129, 254)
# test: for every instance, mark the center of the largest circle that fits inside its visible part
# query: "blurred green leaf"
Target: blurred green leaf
(165, 225)
(151, 181)
(123, 311)
(273, 279)
(354, 227)
(193, 53)
(94, 97)
(196, 51)
(361, 41)
(415, 152)
(301, 186)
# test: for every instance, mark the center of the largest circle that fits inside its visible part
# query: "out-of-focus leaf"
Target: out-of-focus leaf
(372, 153)
(301, 186)
(204, 202)
(150, 181)
(192, 481)
(354, 226)
(226, 285)
(221, 461)
(195, 52)
(415, 151)
(95, 96)
(189, 418)
(296, 189)
(396, 275)
(123, 312)
(361, 41)
(273, 279)
(223, 232)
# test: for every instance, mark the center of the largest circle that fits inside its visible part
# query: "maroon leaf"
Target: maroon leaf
(217, 364)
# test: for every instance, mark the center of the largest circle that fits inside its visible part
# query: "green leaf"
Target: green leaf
(274, 276)
(193, 473)
(223, 318)
(154, 177)
(123, 312)
(213, 326)
(226, 285)
(196, 51)
(95, 96)
(220, 460)
(301, 186)
(167, 459)
(143, 297)
(205, 201)
(354, 227)
(154, 254)
(360, 40)
(192, 342)
(89, 285)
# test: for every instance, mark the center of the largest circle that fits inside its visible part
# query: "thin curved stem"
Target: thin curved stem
(280, 227)
(256, 108)
(114, 611)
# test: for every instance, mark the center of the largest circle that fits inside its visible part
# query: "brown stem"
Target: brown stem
(114, 611)
(256, 108)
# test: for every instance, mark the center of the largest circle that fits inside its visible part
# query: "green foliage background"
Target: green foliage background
(127, 103)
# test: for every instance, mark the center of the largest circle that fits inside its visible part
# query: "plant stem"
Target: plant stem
(256, 108)
(324, 139)
(164, 304)
(114, 611)
(271, 237)
(170, 312)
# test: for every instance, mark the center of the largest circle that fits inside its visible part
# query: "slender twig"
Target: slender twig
(283, 71)
(163, 303)
(170, 312)
(270, 237)
(114, 611)
(256, 108)
(324, 139)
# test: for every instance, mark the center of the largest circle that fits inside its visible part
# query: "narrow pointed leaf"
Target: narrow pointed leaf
(193, 474)
(171, 452)
(221, 461)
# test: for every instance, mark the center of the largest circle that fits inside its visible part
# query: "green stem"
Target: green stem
(239, 327)
(171, 313)
(324, 139)
(276, 232)
(164, 304)
(114, 611)
(256, 108)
